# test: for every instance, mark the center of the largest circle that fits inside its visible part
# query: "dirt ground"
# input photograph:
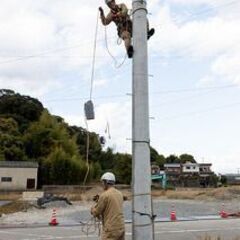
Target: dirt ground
(199, 194)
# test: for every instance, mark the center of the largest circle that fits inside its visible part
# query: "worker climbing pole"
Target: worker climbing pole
(119, 15)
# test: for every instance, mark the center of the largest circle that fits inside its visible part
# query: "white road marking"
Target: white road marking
(24, 234)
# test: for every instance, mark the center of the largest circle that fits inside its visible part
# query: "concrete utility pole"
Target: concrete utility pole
(142, 202)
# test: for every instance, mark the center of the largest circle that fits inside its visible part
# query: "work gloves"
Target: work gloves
(101, 11)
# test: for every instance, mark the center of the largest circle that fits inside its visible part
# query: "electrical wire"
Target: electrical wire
(200, 112)
(209, 10)
(155, 93)
(43, 54)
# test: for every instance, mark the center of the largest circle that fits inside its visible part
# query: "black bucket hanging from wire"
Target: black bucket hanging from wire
(89, 110)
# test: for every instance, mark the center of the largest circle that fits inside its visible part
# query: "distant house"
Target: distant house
(172, 168)
(205, 169)
(232, 179)
(205, 174)
(173, 172)
(18, 175)
(190, 168)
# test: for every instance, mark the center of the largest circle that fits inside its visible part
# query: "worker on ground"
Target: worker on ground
(119, 15)
(109, 209)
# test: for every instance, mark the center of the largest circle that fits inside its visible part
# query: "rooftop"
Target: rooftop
(172, 165)
(18, 164)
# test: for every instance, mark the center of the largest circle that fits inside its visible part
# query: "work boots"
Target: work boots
(150, 33)
(130, 51)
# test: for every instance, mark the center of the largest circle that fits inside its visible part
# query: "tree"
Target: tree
(45, 135)
(161, 160)
(11, 142)
(62, 168)
(22, 109)
(186, 158)
(123, 168)
(107, 159)
(49, 142)
(95, 148)
(153, 154)
(172, 159)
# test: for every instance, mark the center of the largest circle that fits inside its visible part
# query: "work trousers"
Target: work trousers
(113, 235)
(126, 36)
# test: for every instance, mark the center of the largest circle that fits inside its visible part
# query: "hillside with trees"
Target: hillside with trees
(28, 132)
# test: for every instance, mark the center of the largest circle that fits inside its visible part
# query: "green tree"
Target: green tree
(95, 148)
(62, 168)
(42, 137)
(186, 158)
(153, 155)
(22, 109)
(107, 159)
(161, 160)
(11, 142)
(172, 159)
(49, 142)
(123, 168)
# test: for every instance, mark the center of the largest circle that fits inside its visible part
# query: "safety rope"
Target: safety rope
(93, 225)
(94, 57)
(87, 154)
(116, 64)
(90, 96)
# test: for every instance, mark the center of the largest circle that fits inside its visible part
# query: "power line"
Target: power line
(165, 103)
(42, 54)
(200, 112)
(159, 92)
(209, 10)
(195, 89)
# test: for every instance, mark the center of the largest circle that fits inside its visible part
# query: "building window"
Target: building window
(6, 179)
(188, 168)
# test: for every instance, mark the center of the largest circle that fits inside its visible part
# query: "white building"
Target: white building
(18, 175)
(189, 167)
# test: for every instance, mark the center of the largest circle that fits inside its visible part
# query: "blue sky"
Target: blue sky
(194, 66)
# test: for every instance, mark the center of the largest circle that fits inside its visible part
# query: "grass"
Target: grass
(10, 196)
(15, 206)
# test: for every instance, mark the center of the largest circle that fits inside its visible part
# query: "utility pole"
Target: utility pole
(143, 227)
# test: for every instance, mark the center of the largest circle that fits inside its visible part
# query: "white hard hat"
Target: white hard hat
(108, 1)
(109, 177)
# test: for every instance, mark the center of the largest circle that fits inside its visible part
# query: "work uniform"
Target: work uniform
(123, 22)
(109, 209)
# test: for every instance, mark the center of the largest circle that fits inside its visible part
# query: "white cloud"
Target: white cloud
(117, 116)
(216, 38)
(55, 32)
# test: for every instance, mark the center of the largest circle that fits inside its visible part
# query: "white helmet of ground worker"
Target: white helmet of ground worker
(108, 177)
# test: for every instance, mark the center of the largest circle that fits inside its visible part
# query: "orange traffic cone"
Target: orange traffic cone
(223, 214)
(53, 221)
(173, 216)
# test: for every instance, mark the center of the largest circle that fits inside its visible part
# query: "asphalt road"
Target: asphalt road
(189, 230)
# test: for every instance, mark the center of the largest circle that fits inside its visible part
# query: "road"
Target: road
(188, 230)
